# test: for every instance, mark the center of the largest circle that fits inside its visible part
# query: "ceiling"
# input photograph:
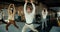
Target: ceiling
(49, 3)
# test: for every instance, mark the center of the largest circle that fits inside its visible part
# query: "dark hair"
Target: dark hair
(29, 6)
(44, 10)
(11, 6)
(12, 11)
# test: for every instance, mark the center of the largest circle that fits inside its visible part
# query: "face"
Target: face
(28, 10)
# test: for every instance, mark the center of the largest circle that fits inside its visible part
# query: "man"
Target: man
(29, 16)
(11, 13)
(44, 15)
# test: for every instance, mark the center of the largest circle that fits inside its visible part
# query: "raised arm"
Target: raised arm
(33, 11)
(9, 6)
(42, 12)
(9, 9)
(46, 11)
(14, 10)
(25, 6)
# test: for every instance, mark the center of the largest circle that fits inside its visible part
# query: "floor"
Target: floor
(21, 24)
(14, 29)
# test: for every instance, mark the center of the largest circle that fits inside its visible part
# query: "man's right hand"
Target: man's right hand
(26, 1)
(11, 4)
(31, 1)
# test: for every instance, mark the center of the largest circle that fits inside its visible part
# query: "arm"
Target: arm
(25, 8)
(46, 12)
(42, 12)
(33, 11)
(14, 11)
(8, 9)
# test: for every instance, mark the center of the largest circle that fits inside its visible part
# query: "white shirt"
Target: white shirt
(44, 14)
(29, 16)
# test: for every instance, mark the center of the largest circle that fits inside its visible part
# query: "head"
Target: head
(44, 11)
(11, 9)
(29, 8)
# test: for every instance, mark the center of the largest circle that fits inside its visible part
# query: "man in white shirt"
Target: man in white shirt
(29, 16)
(11, 13)
(44, 15)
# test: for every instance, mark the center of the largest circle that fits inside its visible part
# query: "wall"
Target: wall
(39, 8)
(55, 8)
(20, 11)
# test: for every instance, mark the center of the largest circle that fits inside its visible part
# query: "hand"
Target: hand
(11, 4)
(31, 1)
(26, 1)
(45, 8)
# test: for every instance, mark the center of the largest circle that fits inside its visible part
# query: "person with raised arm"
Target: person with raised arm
(11, 13)
(44, 17)
(29, 16)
